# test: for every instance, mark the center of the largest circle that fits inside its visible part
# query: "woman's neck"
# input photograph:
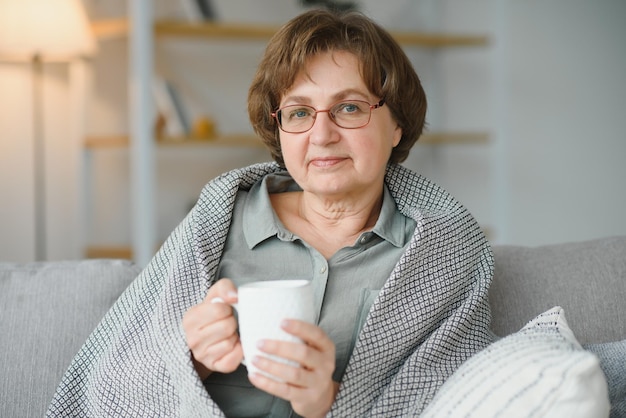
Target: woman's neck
(327, 224)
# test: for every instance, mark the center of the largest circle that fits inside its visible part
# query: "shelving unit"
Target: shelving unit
(119, 28)
(95, 142)
(146, 33)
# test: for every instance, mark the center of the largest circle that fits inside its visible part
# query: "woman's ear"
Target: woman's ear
(397, 136)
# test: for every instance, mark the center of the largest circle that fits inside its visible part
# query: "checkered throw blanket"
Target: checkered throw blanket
(430, 316)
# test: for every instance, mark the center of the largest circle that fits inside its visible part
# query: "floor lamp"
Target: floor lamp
(38, 31)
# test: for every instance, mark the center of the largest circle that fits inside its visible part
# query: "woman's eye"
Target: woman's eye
(348, 108)
(299, 113)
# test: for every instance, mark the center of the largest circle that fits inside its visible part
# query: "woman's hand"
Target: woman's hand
(309, 388)
(211, 331)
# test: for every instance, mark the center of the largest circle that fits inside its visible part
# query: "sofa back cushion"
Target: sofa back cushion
(588, 279)
(47, 311)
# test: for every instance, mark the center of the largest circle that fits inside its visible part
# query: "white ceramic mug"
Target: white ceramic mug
(261, 308)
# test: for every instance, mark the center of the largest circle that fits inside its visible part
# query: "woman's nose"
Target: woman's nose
(324, 129)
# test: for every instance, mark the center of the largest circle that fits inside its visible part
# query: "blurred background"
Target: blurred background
(526, 119)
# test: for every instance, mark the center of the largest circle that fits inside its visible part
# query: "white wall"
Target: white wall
(567, 143)
(549, 87)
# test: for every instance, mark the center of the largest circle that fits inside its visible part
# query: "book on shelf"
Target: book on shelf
(171, 108)
(197, 11)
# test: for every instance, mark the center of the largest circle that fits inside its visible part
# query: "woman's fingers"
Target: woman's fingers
(208, 323)
(211, 331)
(318, 349)
(309, 387)
(223, 289)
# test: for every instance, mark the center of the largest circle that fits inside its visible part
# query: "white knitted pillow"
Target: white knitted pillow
(540, 371)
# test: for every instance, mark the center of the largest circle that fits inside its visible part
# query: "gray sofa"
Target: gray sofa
(47, 310)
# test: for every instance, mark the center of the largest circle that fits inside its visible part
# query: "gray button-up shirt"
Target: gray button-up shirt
(259, 247)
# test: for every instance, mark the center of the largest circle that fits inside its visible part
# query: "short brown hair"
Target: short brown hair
(385, 68)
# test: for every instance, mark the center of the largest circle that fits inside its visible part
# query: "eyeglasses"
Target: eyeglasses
(349, 114)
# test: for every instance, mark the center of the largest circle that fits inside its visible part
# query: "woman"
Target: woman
(400, 269)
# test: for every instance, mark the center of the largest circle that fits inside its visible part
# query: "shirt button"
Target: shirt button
(364, 239)
(323, 270)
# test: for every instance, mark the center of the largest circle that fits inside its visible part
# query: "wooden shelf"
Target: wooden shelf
(116, 28)
(239, 140)
(110, 28)
(263, 32)
(214, 30)
(243, 140)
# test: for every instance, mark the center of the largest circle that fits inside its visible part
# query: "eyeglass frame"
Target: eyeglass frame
(275, 114)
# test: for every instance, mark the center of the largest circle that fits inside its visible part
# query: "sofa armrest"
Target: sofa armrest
(47, 311)
(587, 279)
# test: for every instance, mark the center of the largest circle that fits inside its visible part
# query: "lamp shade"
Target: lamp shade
(51, 29)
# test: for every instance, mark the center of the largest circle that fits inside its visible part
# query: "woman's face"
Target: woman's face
(327, 160)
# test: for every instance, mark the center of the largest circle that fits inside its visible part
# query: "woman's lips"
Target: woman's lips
(326, 161)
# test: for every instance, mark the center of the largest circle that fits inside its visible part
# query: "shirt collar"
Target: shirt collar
(260, 222)
(259, 219)
(391, 224)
